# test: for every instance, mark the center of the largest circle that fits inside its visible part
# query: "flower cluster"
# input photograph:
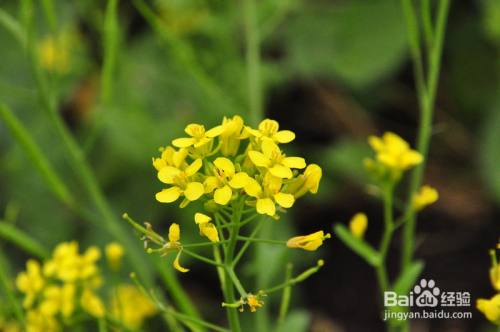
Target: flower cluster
(233, 160)
(491, 307)
(64, 286)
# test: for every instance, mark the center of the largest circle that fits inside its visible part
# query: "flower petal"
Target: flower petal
(194, 190)
(194, 129)
(200, 218)
(259, 159)
(177, 265)
(284, 200)
(167, 174)
(183, 142)
(174, 233)
(281, 171)
(215, 131)
(239, 180)
(194, 167)
(266, 206)
(269, 148)
(284, 136)
(225, 165)
(253, 188)
(223, 195)
(294, 162)
(168, 195)
(210, 231)
(210, 184)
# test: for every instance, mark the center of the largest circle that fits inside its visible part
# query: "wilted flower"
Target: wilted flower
(309, 242)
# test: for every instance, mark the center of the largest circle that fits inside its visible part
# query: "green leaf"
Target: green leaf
(22, 240)
(408, 278)
(360, 247)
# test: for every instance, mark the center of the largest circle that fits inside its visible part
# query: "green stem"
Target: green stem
(245, 246)
(111, 49)
(252, 55)
(201, 258)
(22, 240)
(9, 292)
(285, 298)
(426, 102)
(301, 277)
(268, 241)
(381, 269)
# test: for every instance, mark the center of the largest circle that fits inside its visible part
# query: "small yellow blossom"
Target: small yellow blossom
(309, 242)
(200, 139)
(225, 178)
(254, 302)
(206, 227)
(426, 196)
(171, 157)
(92, 304)
(358, 225)
(269, 194)
(114, 254)
(495, 276)
(270, 129)
(277, 163)
(182, 181)
(54, 53)
(174, 236)
(231, 135)
(131, 307)
(58, 299)
(30, 282)
(307, 182)
(36, 321)
(490, 308)
(394, 152)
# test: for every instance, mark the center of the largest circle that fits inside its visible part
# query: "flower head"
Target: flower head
(309, 242)
(231, 135)
(272, 159)
(306, 182)
(270, 129)
(114, 253)
(268, 195)
(254, 302)
(358, 225)
(200, 140)
(490, 308)
(131, 307)
(426, 196)
(206, 227)
(173, 244)
(224, 179)
(30, 282)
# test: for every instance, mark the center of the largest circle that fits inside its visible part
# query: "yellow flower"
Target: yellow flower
(171, 157)
(54, 53)
(394, 152)
(131, 307)
(270, 129)
(114, 254)
(274, 161)
(268, 195)
(426, 196)
(206, 227)
(495, 276)
(36, 321)
(231, 135)
(30, 282)
(58, 299)
(199, 139)
(92, 304)
(254, 302)
(306, 182)
(225, 178)
(358, 225)
(309, 242)
(182, 181)
(490, 308)
(174, 236)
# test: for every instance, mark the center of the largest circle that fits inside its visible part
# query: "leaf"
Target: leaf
(357, 245)
(408, 278)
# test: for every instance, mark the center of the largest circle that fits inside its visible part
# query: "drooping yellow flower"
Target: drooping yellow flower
(206, 227)
(114, 253)
(269, 194)
(358, 225)
(270, 129)
(426, 196)
(306, 182)
(490, 308)
(200, 139)
(225, 178)
(173, 244)
(182, 181)
(277, 163)
(131, 307)
(92, 304)
(254, 302)
(309, 242)
(30, 282)
(394, 152)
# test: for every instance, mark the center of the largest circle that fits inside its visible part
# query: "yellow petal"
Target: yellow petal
(168, 195)
(158, 163)
(215, 131)
(294, 162)
(253, 188)
(177, 265)
(194, 129)
(239, 180)
(269, 148)
(284, 136)
(284, 200)
(202, 142)
(259, 159)
(266, 206)
(225, 165)
(223, 195)
(183, 142)
(253, 132)
(313, 175)
(194, 190)
(309, 242)
(269, 126)
(281, 171)
(174, 233)
(178, 157)
(210, 184)
(167, 174)
(358, 225)
(376, 143)
(210, 231)
(194, 167)
(411, 158)
(200, 218)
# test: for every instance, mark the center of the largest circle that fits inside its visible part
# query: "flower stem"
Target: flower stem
(386, 239)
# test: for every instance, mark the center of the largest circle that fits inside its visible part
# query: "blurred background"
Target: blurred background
(332, 71)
